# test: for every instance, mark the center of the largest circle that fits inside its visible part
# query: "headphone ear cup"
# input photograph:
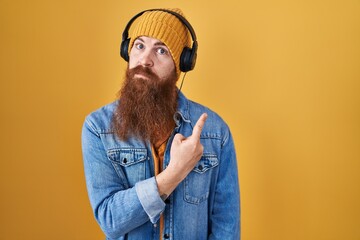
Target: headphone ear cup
(124, 49)
(187, 60)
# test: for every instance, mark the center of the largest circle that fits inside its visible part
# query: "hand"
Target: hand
(186, 152)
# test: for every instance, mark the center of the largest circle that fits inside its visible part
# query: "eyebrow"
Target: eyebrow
(160, 44)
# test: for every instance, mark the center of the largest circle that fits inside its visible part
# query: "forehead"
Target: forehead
(150, 41)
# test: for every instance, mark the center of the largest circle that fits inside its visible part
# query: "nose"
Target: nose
(146, 59)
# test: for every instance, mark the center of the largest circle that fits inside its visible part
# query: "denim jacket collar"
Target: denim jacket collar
(182, 112)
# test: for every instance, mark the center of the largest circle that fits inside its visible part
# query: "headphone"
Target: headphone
(188, 55)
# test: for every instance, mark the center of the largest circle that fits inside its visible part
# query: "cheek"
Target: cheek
(162, 71)
(132, 59)
(169, 69)
(132, 62)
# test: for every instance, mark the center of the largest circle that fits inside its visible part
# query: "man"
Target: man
(157, 165)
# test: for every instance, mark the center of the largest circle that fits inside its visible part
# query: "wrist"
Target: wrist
(167, 181)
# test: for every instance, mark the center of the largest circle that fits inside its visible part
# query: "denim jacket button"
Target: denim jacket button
(166, 236)
(200, 167)
(124, 160)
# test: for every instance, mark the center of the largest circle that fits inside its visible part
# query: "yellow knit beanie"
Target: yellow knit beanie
(165, 27)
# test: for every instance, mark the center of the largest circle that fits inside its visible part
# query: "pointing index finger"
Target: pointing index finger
(199, 126)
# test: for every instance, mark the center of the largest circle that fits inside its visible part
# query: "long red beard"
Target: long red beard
(146, 107)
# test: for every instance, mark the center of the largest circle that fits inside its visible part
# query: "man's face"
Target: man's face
(152, 53)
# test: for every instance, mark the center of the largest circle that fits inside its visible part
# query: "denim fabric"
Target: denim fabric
(123, 191)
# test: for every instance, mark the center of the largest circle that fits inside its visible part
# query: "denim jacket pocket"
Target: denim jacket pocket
(129, 163)
(197, 183)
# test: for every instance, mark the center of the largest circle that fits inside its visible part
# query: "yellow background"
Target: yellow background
(285, 75)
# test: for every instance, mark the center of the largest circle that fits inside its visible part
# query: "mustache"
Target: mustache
(145, 71)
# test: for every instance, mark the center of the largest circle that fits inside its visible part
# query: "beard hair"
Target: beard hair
(146, 107)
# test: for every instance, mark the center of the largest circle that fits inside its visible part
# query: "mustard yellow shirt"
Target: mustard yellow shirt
(158, 155)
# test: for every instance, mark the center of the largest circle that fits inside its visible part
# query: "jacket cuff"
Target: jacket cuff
(149, 197)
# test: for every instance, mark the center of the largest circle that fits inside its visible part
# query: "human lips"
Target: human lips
(141, 75)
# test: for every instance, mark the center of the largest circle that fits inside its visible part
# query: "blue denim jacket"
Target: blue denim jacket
(123, 191)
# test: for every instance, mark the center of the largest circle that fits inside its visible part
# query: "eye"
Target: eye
(161, 51)
(139, 46)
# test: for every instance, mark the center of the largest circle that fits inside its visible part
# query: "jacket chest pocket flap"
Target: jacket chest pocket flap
(197, 183)
(206, 162)
(129, 164)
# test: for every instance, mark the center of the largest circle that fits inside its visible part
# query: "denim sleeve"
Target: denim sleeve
(225, 217)
(117, 209)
